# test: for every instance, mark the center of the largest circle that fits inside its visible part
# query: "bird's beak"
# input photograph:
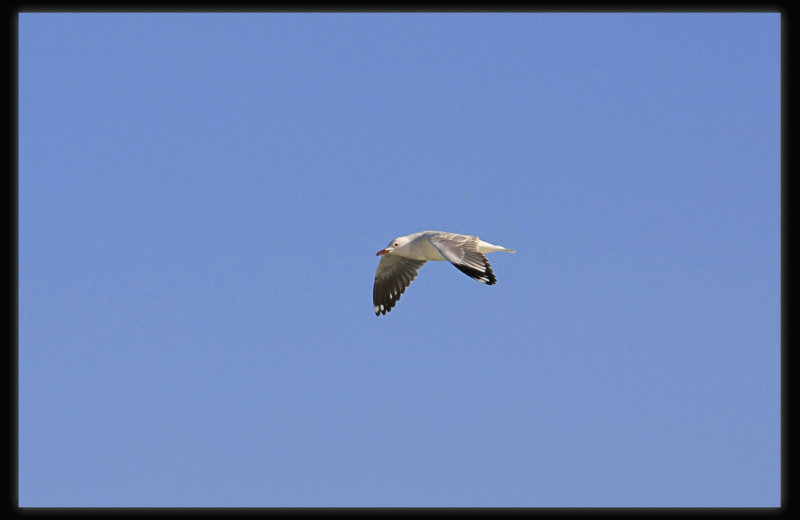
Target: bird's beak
(382, 252)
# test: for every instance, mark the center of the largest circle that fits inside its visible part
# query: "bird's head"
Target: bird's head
(394, 244)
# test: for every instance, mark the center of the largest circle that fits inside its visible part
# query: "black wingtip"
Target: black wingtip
(486, 276)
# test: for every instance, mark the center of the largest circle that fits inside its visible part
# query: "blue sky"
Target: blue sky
(201, 197)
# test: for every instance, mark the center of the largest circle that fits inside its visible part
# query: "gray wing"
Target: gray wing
(462, 251)
(394, 274)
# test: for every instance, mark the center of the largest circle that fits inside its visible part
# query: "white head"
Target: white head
(394, 244)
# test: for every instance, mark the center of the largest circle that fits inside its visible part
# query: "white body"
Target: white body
(410, 246)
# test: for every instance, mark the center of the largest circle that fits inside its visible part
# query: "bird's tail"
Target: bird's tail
(494, 249)
(486, 247)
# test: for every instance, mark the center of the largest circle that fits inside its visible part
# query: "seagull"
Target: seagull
(403, 257)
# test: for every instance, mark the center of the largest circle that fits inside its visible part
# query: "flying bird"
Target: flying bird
(403, 257)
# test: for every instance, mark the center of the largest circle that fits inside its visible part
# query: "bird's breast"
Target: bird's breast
(420, 250)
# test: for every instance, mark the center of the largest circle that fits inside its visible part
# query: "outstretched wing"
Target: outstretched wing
(394, 274)
(462, 251)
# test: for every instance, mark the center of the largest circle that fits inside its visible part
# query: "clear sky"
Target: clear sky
(201, 197)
